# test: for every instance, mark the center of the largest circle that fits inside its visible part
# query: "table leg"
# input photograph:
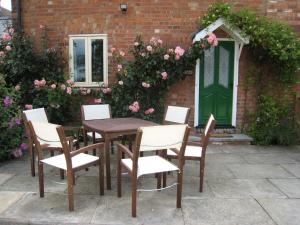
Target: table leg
(107, 162)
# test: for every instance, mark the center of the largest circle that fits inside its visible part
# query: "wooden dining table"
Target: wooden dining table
(111, 129)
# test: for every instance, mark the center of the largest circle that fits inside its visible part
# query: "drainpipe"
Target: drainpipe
(19, 18)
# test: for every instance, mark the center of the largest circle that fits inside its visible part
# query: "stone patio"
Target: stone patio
(244, 185)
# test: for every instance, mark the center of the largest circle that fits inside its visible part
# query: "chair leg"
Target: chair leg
(101, 176)
(112, 147)
(51, 153)
(179, 189)
(32, 160)
(41, 179)
(62, 174)
(70, 191)
(158, 177)
(134, 197)
(164, 179)
(202, 165)
(119, 174)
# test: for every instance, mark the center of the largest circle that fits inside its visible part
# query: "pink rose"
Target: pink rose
(106, 90)
(134, 107)
(149, 111)
(41, 26)
(53, 86)
(8, 48)
(164, 75)
(166, 57)
(153, 41)
(36, 83)
(136, 44)
(98, 100)
(120, 82)
(28, 106)
(159, 41)
(177, 57)
(179, 51)
(212, 39)
(18, 87)
(122, 53)
(63, 87)
(69, 90)
(42, 82)
(11, 30)
(149, 48)
(70, 82)
(112, 49)
(119, 67)
(6, 37)
(2, 53)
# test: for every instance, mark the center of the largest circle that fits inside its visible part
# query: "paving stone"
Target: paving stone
(283, 211)
(295, 156)
(8, 198)
(292, 168)
(269, 158)
(217, 211)
(244, 188)
(54, 208)
(223, 159)
(4, 177)
(247, 149)
(149, 211)
(291, 187)
(259, 171)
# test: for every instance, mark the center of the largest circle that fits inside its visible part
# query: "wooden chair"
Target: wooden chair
(39, 115)
(196, 152)
(69, 161)
(176, 115)
(152, 139)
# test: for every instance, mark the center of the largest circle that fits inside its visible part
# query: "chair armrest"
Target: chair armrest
(125, 150)
(175, 150)
(87, 148)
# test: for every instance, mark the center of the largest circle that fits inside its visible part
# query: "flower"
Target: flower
(170, 50)
(18, 121)
(17, 153)
(18, 87)
(53, 86)
(166, 57)
(69, 90)
(2, 53)
(159, 41)
(41, 26)
(23, 146)
(145, 85)
(8, 48)
(134, 107)
(7, 101)
(136, 43)
(6, 37)
(122, 53)
(97, 100)
(11, 30)
(88, 91)
(120, 82)
(106, 90)
(212, 39)
(149, 48)
(164, 75)
(63, 87)
(70, 82)
(179, 51)
(28, 106)
(177, 57)
(153, 41)
(143, 54)
(149, 111)
(112, 49)
(119, 67)
(39, 83)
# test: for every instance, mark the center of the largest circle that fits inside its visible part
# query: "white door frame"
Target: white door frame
(237, 51)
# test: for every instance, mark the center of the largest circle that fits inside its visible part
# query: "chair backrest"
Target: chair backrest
(176, 115)
(38, 115)
(95, 112)
(207, 132)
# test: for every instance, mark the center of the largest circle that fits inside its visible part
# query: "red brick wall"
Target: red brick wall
(172, 20)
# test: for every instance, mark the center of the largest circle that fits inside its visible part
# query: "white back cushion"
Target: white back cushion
(38, 115)
(162, 137)
(211, 118)
(96, 112)
(46, 132)
(176, 114)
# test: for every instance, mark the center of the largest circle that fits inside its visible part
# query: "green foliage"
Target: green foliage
(10, 121)
(270, 41)
(274, 123)
(144, 80)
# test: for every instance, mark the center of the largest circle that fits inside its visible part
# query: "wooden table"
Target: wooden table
(113, 128)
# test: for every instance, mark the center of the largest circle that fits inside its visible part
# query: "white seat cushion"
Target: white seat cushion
(59, 161)
(97, 135)
(150, 165)
(190, 151)
(55, 144)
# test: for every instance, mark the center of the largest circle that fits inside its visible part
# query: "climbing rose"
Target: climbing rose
(53, 86)
(149, 111)
(62, 87)
(11, 30)
(136, 44)
(98, 100)
(212, 39)
(18, 87)
(166, 57)
(2, 53)
(149, 48)
(159, 41)
(112, 49)
(119, 67)
(145, 85)
(164, 75)
(28, 106)
(8, 48)
(69, 90)
(121, 82)
(6, 37)
(134, 107)
(179, 51)
(122, 53)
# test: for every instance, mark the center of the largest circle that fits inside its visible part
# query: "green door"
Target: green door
(216, 83)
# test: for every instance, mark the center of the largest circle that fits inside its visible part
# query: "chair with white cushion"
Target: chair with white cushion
(39, 115)
(153, 139)
(176, 115)
(197, 152)
(69, 161)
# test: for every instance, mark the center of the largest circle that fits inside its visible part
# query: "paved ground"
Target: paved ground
(244, 185)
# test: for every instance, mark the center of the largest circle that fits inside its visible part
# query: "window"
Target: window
(88, 59)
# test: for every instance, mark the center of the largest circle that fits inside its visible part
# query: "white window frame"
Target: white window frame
(88, 58)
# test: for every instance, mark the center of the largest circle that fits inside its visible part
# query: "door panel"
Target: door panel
(216, 83)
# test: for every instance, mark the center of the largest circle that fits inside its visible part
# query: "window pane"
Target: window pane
(79, 60)
(209, 67)
(97, 60)
(224, 67)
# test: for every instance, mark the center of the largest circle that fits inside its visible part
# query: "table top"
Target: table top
(114, 125)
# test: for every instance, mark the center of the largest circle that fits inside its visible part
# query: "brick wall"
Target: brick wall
(172, 20)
